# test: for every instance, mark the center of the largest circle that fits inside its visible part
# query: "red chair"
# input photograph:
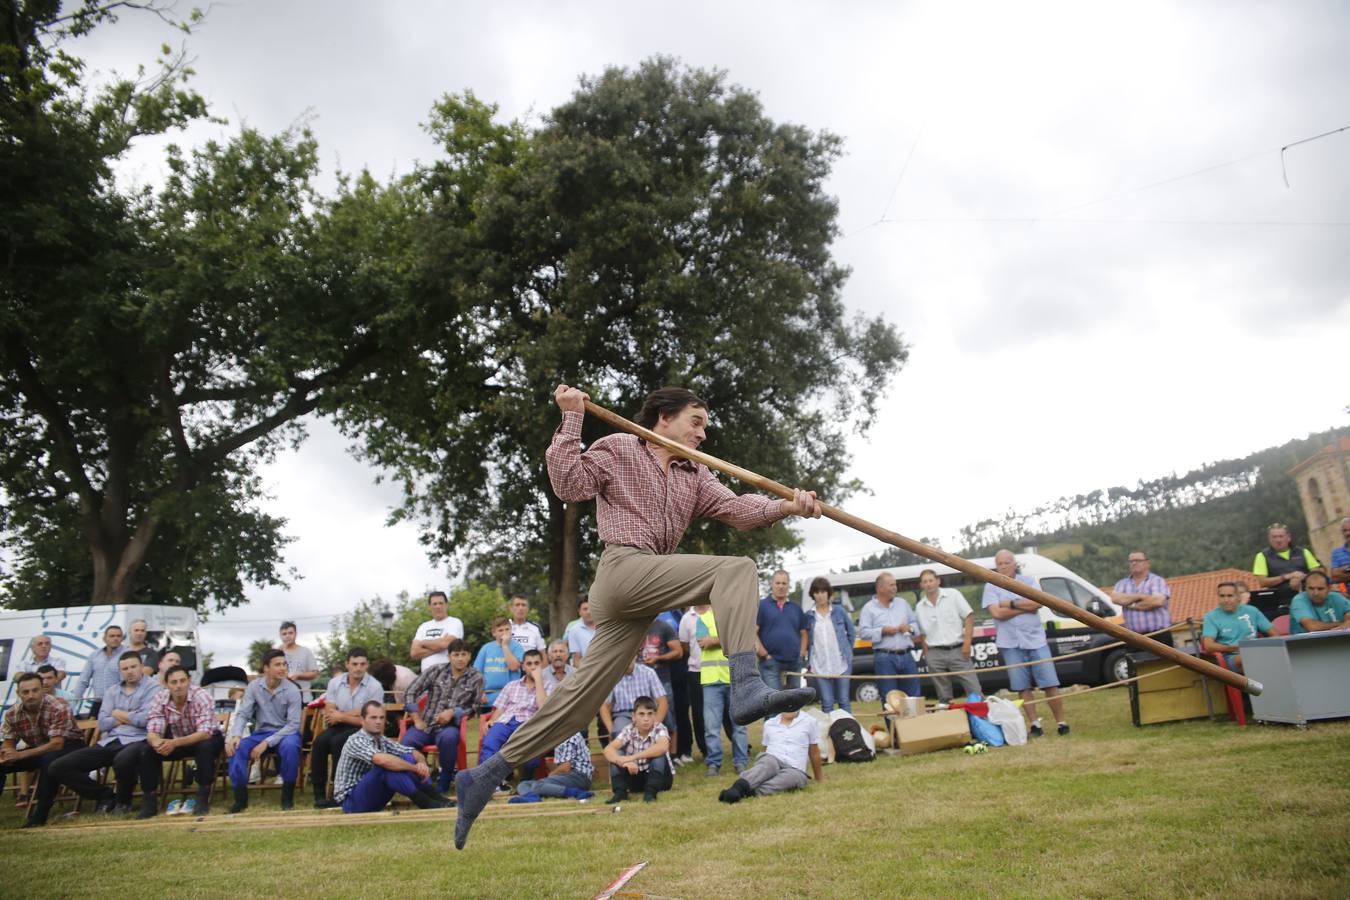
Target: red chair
(1235, 710)
(1281, 624)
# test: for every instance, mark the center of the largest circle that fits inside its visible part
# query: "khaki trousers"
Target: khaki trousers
(631, 588)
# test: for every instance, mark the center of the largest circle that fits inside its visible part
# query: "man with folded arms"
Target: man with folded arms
(274, 702)
(373, 768)
(182, 724)
(48, 731)
(452, 691)
(342, 703)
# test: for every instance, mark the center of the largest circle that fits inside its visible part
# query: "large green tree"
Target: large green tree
(155, 347)
(658, 228)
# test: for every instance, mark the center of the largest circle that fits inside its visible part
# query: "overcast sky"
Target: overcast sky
(1075, 212)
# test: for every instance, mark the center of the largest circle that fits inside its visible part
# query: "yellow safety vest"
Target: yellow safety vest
(715, 669)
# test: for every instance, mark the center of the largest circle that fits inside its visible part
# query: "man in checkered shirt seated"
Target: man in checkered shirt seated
(570, 777)
(373, 768)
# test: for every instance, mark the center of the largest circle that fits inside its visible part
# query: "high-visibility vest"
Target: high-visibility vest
(715, 669)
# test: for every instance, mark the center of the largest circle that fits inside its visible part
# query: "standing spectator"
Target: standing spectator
(452, 692)
(693, 665)
(302, 665)
(1228, 623)
(660, 649)
(122, 719)
(48, 732)
(434, 636)
(373, 768)
(102, 669)
(1145, 597)
(557, 667)
(682, 733)
(167, 660)
(889, 623)
(523, 631)
(149, 655)
(778, 635)
(1318, 608)
(181, 724)
(516, 704)
(790, 741)
(570, 776)
(829, 637)
(1282, 566)
(342, 703)
(1340, 558)
(639, 755)
(1020, 638)
(499, 661)
(40, 654)
(948, 626)
(639, 681)
(580, 634)
(273, 703)
(716, 675)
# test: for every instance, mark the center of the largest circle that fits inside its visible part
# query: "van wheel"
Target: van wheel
(867, 692)
(1118, 667)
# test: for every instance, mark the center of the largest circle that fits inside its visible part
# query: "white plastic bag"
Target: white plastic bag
(1006, 715)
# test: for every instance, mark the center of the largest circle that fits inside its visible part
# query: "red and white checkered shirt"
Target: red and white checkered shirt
(52, 719)
(517, 701)
(633, 741)
(637, 503)
(198, 714)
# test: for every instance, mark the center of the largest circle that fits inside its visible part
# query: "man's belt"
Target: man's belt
(944, 646)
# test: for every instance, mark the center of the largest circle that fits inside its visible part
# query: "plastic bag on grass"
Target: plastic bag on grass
(1008, 717)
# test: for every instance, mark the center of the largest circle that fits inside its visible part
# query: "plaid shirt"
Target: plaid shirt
(630, 742)
(198, 714)
(575, 751)
(642, 680)
(1146, 620)
(444, 691)
(637, 504)
(356, 758)
(516, 701)
(53, 719)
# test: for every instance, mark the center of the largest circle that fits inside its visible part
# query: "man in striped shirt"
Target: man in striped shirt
(182, 724)
(1145, 598)
(373, 768)
(646, 497)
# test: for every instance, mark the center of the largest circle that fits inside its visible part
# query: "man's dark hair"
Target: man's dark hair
(668, 401)
(111, 627)
(1224, 584)
(45, 668)
(456, 645)
(358, 650)
(644, 702)
(532, 652)
(1321, 575)
(285, 625)
(440, 594)
(26, 676)
(130, 654)
(365, 707)
(169, 672)
(383, 671)
(271, 655)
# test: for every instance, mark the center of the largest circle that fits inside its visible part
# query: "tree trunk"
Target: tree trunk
(116, 563)
(569, 570)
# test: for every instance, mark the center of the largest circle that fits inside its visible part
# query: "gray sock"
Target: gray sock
(752, 699)
(473, 789)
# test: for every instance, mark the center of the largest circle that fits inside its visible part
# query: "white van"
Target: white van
(77, 631)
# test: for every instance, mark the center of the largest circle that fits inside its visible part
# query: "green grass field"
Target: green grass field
(1193, 808)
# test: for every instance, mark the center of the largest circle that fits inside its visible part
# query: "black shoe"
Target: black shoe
(240, 800)
(149, 806)
(34, 823)
(105, 804)
(1063, 728)
(619, 797)
(288, 796)
(122, 809)
(1036, 731)
(203, 804)
(326, 804)
(739, 790)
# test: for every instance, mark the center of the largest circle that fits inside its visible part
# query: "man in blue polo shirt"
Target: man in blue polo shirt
(780, 637)
(1318, 608)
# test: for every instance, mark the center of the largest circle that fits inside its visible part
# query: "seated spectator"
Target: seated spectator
(790, 739)
(558, 667)
(273, 704)
(639, 681)
(500, 661)
(342, 703)
(451, 693)
(167, 661)
(181, 725)
(373, 768)
(639, 755)
(122, 718)
(1244, 594)
(1318, 607)
(51, 680)
(570, 777)
(516, 704)
(40, 654)
(1229, 623)
(48, 731)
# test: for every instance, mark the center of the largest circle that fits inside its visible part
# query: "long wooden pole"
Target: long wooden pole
(1063, 607)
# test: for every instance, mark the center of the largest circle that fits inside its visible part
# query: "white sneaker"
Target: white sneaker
(189, 806)
(255, 774)
(684, 760)
(175, 808)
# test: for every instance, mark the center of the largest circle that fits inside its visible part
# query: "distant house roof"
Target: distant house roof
(1341, 446)
(1195, 595)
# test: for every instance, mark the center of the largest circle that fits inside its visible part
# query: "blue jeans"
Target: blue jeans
(446, 739)
(716, 697)
(885, 662)
(833, 692)
(771, 670)
(378, 786)
(288, 748)
(554, 785)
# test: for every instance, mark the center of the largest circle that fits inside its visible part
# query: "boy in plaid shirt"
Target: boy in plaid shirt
(639, 755)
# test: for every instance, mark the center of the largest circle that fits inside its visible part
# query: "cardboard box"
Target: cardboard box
(932, 731)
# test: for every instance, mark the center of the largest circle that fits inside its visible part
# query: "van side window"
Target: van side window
(6, 650)
(1081, 595)
(1058, 587)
